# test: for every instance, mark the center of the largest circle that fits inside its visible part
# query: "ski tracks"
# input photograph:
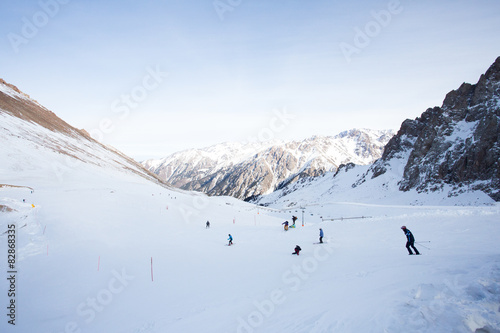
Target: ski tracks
(468, 303)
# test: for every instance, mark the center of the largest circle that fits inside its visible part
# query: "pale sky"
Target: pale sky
(154, 77)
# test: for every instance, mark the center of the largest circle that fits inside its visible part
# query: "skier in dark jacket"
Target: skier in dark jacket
(321, 234)
(297, 250)
(286, 225)
(410, 240)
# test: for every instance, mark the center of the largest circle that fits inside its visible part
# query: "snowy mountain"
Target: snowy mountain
(449, 151)
(246, 171)
(28, 131)
(92, 243)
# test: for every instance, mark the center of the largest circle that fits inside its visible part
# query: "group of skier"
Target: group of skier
(410, 239)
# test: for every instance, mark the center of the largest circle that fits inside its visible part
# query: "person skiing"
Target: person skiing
(207, 225)
(230, 239)
(410, 240)
(294, 218)
(286, 225)
(321, 234)
(297, 250)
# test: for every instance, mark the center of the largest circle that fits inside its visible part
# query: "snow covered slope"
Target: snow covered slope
(119, 254)
(35, 139)
(248, 170)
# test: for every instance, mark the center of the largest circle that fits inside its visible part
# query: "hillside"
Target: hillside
(29, 130)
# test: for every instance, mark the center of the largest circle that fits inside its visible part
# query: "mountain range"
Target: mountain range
(246, 171)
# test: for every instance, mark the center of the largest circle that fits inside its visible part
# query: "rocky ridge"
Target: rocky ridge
(457, 144)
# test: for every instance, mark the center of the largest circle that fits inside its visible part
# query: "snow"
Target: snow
(362, 280)
(462, 131)
(11, 92)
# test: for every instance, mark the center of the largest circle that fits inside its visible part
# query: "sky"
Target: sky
(155, 77)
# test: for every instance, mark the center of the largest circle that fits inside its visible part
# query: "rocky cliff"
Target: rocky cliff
(457, 144)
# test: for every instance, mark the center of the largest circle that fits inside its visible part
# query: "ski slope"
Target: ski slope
(108, 251)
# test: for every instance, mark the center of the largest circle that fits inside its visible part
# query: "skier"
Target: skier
(297, 250)
(286, 225)
(321, 235)
(230, 239)
(207, 225)
(410, 240)
(294, 218)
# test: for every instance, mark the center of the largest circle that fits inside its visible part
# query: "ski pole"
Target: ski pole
(423, 245)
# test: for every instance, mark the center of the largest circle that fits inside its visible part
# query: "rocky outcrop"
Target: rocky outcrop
(456, 144)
